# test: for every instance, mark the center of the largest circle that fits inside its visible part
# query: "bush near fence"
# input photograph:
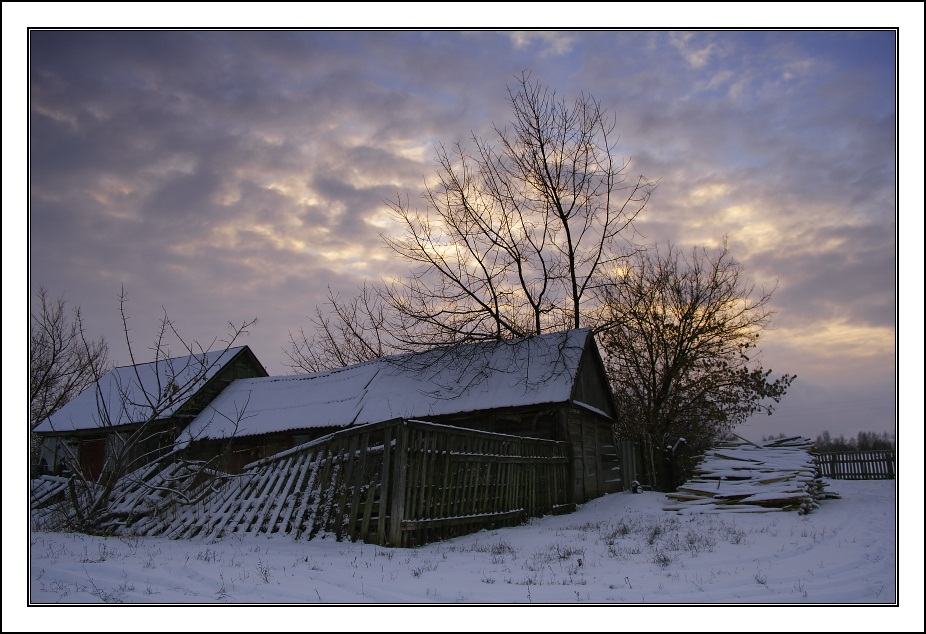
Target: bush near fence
(857, 465)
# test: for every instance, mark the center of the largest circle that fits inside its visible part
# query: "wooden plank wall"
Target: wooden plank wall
(459, 481)
(596, 461)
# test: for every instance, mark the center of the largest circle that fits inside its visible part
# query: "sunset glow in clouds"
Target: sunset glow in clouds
(226, 175)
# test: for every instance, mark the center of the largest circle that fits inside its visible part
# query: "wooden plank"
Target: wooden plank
(445, 473)
(516, 477)
(412, 525)
(462, 493)
(237, 497)
(418, 459)
(282, 494)
(269, 477)
(350, 465)
(433, 475)
(304, 518)
(326, 475)
(367, 517)
(357, 483)
(432, 497)
(480, 483)
(297, 492)
(531, 475)
(481, 457)
(386, 484)
(456, 471)
(400, 476)
(415, 464)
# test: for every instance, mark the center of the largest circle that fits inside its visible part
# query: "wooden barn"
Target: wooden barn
(121, 401)
(397, 451)
(550, 387)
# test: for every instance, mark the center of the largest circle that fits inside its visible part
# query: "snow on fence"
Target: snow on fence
(857, 465)
(48, 494)
(154, 490)
(398, 483)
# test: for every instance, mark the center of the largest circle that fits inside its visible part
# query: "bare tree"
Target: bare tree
(681, 351)
(515, 233)
(133, 420)
(349, 331)
(62, 363)
(512, 238)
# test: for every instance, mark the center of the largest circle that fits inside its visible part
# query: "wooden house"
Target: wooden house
(551, 387)
(163, 396)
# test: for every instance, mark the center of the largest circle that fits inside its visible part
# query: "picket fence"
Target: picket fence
(857, 465)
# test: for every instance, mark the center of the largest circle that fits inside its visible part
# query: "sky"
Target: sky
(764, 571)
(223, 176)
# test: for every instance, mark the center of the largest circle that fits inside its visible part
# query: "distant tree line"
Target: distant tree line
(866, 441)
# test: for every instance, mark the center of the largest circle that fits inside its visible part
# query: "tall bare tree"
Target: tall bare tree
(681, 351)
(517, 229)
(513, 235)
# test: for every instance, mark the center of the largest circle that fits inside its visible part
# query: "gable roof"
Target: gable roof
(123, 396)
(531, 371)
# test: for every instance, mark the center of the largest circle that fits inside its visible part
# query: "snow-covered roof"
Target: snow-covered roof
(531, 371)
(123, 398)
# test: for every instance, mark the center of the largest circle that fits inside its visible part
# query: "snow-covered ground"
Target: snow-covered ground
(619, 549)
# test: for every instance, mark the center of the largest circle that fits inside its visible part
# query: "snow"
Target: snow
(622, 549)
(592, 409)
(515, 373)
(122, 384)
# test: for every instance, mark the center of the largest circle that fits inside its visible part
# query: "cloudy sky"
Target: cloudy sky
(228, 175)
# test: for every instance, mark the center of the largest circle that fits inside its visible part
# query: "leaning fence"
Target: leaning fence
(398, 483)
(857, 465)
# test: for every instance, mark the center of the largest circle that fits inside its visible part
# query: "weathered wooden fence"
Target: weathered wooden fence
(399, 483)
(48, 500)
(857, 465)
(137, 499)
